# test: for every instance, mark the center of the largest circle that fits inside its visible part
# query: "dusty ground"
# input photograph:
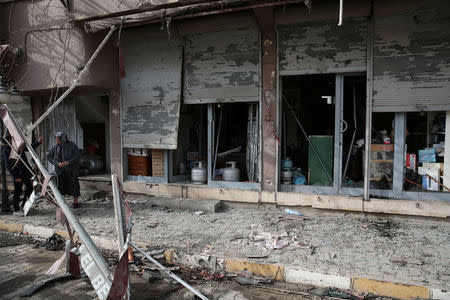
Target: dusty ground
(400, 249)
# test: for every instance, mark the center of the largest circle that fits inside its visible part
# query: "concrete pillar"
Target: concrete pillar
(268, 102)
(447, 152)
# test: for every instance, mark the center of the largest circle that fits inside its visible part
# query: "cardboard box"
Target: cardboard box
(439, 166)
(427, 155)
(411, 162)
(430, 184)
(139, 165)
(158, 162)
(381, 152)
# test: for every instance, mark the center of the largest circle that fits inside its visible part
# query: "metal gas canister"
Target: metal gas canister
(231, 173)
(198, 173)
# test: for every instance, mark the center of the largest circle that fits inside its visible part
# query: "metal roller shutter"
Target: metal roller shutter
(222, 66)
(323, 47)
(412, 59)
(151, 90)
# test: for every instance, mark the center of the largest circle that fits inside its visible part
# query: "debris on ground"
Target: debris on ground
(257, 256)
(247, 277)
(277, 244)
(293, 212)
(251, 280)
(341, 294)
(53, 243)
(240, 231)
(385, 228)
(152, 224)
(199, 213)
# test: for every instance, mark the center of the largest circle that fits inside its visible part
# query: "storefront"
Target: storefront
(197, 96)
(191, 102)
(398, 58)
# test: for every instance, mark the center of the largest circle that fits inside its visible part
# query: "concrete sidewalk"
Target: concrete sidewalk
(402, 257)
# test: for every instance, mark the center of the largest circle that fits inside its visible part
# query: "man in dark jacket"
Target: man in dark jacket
(19, 168)
(65, 156)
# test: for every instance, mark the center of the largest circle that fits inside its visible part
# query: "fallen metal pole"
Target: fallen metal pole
(118, 212)
(79, 229)
(75, 82)
(309, 141)
(167, 271)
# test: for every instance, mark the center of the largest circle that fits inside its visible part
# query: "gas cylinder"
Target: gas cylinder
(231, 173)
(198, 173)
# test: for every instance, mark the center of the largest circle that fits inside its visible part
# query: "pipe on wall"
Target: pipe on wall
(341, 11)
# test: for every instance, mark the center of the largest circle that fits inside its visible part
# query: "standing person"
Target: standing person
(65, 156)
(18, 166)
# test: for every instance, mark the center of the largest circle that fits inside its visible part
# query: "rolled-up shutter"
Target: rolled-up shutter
(412, 59)
(151, 90)
(222, 66)
(323, 47)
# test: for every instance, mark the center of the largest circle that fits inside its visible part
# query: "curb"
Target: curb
(275, 271)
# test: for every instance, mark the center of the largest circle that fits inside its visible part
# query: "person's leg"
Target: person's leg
(76, 191)
(28, 190)
(17, 192)
(65, 184)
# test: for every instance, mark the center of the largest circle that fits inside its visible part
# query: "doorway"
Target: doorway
(93, 116)
(322, 133)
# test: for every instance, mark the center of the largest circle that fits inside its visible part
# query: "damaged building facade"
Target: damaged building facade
(248, 101)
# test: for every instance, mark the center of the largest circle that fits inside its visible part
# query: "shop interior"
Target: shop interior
(236, 142)
(234, 147)
(192, 147)
(176, 165)
(92, 114)
(425, 149)
(85, 120)
(382, 151)
(308, 103)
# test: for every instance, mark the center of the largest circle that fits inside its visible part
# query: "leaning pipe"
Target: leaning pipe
(341, 11)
